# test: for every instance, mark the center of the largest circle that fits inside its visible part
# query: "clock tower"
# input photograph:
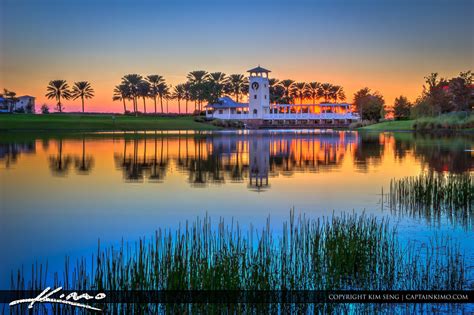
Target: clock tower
(259, 92)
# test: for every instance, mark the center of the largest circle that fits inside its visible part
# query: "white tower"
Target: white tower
(259, 92)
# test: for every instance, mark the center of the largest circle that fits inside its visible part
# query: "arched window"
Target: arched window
(255, 111)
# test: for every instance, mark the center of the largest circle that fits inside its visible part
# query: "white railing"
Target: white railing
(285, 116)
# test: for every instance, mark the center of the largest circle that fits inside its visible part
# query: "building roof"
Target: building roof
(258, 70)
(321, 104)
(23, 96)
(226, 102)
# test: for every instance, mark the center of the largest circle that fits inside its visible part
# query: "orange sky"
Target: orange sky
(103, 84)
(388, 46)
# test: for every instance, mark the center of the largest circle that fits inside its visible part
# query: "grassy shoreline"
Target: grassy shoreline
(111, 122)
(100, 122)
(396, 125)
(456, 121)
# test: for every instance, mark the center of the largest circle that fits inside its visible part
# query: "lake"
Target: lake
(61, 193)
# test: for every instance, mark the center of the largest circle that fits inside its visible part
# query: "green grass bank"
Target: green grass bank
(77, 122)
(446, 122)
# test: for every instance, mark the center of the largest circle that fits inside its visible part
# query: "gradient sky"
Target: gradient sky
(388, 46)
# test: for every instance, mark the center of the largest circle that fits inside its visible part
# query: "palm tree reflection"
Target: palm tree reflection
(85, 163)
(60, 164)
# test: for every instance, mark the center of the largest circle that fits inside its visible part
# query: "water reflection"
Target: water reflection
(251, 158)
(138, 183)
(10, 152)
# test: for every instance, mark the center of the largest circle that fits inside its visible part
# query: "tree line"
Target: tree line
(203, 87)
(439, 96)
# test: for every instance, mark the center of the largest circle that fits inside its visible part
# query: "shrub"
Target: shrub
(450, 121)
(44, 109)
(361, 123)
(233, 124)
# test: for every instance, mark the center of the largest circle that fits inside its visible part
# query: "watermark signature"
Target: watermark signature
(47, 296)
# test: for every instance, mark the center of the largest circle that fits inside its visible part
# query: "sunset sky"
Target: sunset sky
(388, 46)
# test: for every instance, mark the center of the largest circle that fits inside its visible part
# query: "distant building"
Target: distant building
(23, 103)
(3, 106)
(260, 113)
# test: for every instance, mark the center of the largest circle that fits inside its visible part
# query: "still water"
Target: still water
(61, 193)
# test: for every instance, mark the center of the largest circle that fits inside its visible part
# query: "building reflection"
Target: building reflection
(217, 159)
(11, 151)
(252, 159)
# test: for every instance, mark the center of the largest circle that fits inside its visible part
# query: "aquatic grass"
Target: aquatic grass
(434, 196)
(347, 251)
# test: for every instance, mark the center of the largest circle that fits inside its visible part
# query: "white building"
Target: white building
(24, 103)
(259, 111)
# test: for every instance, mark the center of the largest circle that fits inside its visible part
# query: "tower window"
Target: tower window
(255, 111)
(255, 96)
(265, 96)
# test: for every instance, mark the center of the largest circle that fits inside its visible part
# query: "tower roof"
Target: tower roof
(258, 70)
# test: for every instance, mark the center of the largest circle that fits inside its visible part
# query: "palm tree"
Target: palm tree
(167, 96)
(313, 88)
(187, 93)
(121, 93)
(133, 80)
(163, 91)
(276, 91)
(82, 89)
(325, 91)
(337, 93)
(10, 98)
(289, 88)
(155, 80)
(301, 91)
(219, 81)
(198, 79)
(58, 89)
(143, 90)
(236, 85)
(179, 93)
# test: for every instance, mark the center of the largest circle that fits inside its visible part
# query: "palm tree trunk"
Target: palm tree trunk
(154, 101)
(124, 106)
(179, 106)
(186, 106)
(161, 103)
(144, 105)
(82, 98)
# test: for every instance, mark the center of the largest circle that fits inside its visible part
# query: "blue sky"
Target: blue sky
(380, 44)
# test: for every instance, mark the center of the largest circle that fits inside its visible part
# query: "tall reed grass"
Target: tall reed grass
(434, 196)
(349, 251)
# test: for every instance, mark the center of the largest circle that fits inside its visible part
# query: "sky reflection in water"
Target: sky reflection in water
(61, 193)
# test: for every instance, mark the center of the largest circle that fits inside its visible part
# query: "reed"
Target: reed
(434, 196)
(350, 251)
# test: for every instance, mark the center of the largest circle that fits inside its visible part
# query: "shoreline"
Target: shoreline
(96, 123)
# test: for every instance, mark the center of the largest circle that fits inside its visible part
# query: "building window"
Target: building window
(255, 111)
(265, 96)
(221, 111)
(255, 96)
